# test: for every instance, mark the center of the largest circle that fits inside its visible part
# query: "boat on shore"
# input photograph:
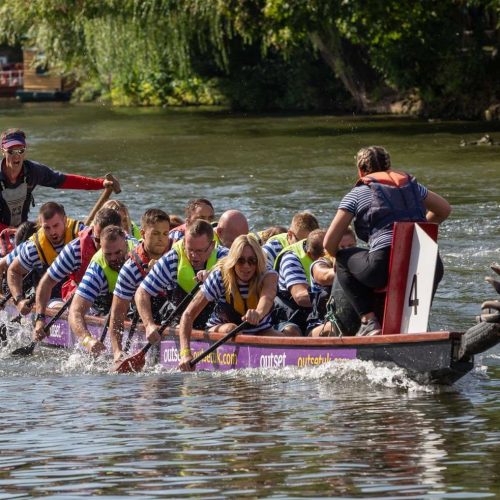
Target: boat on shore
(430, 357)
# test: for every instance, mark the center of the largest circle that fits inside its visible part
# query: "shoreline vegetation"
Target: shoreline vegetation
(428, 59)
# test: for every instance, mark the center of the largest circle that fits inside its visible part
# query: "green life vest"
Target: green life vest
(282, 238)
(136, 231)
(185, 272)
(299, 250)
(111, 274)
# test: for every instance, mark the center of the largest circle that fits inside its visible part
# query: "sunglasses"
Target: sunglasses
(13, 152)
(251, 261)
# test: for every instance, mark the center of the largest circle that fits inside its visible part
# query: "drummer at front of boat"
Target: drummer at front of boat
(302, 224)
(322, 277)
(178, 272)
(155, 227)
(40, 251)
(380, 197)
(293, 304)
(201, 208)
(19, 177)
(70, 266)
(99, 281)
(242, 288)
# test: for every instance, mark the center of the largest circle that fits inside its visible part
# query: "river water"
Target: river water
(352, 430)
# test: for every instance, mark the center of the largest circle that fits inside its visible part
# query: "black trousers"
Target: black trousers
(360, 272)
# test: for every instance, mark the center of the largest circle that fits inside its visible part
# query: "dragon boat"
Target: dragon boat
(435, 357)
(440, 357)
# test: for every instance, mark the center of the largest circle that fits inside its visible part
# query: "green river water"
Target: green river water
(71, 429)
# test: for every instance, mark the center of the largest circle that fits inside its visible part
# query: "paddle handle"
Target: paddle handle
(106, 326)
(59, 313)
(103, 198)
(221, 341)
(183, 302)
(131, 332)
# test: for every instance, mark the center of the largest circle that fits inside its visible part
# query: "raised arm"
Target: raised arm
(337, 229)
(438, 209)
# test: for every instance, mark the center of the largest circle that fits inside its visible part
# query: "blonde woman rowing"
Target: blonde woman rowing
(243, 291)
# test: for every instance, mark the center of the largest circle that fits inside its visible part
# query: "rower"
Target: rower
(242, 288)
(293, 303)
(322, 277)
(230, 225)
(23, 233)
(155, 227)
(200, 208)
(40, 251)
(302, 224)
(128, 225)
(19, 177)
(71, 264)
(177, 272)
(99, 280)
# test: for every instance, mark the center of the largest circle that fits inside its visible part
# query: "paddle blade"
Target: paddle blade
(27, 350)
(133, 363)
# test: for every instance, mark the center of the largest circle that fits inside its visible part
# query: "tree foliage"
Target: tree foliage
(258, 54)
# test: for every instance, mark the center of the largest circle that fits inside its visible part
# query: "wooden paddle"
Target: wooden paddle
(105, 328)
(221, 341)
(131, 332)
(27, 350)
(136, 362)
(104, 197)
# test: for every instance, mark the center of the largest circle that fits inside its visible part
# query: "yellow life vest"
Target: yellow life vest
(46, 251)
(299, 250)
(185, 272)
(240, 304)
(109, 272)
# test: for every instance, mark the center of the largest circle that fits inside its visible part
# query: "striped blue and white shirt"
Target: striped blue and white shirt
(129, 279)
(93, 284)
(28, 254)
(175, 235)
(12, 255)
(214, 291)
(291, 272)
(163, 276)
(69, 260)
(272, 249)
(315, 286)
(359, 199)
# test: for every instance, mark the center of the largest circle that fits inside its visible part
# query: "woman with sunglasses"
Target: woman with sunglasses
(19, 177)
(243, 291)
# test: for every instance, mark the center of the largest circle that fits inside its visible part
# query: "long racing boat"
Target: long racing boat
(430, 357)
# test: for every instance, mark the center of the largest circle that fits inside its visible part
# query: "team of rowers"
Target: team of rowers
(277, 280)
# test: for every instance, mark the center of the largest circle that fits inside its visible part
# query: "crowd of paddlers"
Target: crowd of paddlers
(199, 271)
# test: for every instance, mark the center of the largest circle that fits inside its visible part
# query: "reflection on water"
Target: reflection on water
(347, 430)
(250, 435)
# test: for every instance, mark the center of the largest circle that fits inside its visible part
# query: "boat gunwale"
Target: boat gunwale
(171, 333)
